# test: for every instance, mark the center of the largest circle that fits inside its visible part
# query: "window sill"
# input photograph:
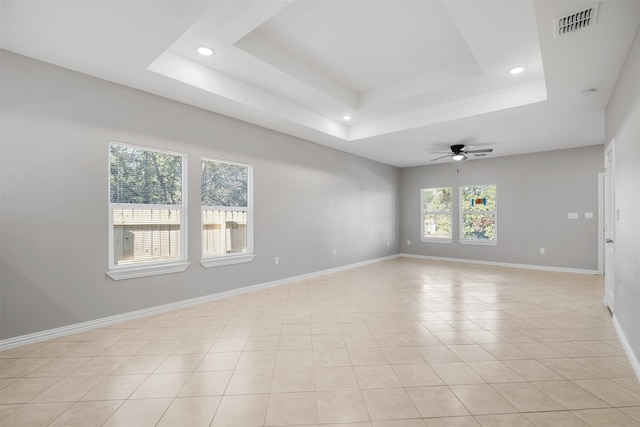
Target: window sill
(435, 240)
(479, 242)
(147, 270)
(227, 260)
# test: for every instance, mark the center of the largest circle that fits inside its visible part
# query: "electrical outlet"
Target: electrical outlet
(334, 251)
(387, 243)
(408, 242)
(541, 251)
(276, 260)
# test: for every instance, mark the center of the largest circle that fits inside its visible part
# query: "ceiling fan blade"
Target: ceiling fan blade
(484, 150)
(448, 155)
(441, 152)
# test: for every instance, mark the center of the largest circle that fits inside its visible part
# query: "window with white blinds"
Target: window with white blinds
(436, 206)
(147, 211)
(226, 213)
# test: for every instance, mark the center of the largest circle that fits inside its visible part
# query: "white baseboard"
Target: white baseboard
(633, 358)
(111, 320)
(503, 264)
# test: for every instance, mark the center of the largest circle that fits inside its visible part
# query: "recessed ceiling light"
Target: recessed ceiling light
(205, 51)
(516, 70)
(347, 117)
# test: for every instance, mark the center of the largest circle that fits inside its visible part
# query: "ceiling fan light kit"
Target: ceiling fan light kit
(459, 152)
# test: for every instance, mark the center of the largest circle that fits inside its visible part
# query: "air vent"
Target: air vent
(576, 21)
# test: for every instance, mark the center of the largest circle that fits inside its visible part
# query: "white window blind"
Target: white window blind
(146, 207)
(226, 212)
(436, 213)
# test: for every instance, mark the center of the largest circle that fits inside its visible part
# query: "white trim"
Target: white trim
(633, 359)
(147, 270)
(504, 264)
(609, 226)
(106, 321)
(146, 147)
(149, 206)
(478, 242)
(208, 262)
(225, 208)
(424, 238)
(226, 260)
(436, 239)
(601, 223)
(462, 212)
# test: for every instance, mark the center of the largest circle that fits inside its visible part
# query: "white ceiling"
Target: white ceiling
(417, 76)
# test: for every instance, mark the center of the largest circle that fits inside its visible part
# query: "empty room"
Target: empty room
(319, 213)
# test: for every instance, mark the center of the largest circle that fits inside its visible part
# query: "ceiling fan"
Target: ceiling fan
(459, 152)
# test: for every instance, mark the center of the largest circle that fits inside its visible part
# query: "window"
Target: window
(436, 214)
(146, 212)
(226, 213)
(478, 219)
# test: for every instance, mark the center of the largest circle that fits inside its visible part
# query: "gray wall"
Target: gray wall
(56, 125)
(622, 123)
(308, 199)
(534, 194)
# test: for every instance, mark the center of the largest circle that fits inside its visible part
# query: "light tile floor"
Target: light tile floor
(400, 343)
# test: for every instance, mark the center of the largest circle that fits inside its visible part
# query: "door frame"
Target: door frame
(608, 231)
(601, 184)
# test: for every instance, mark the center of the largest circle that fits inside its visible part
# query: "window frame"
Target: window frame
(463, 211)
(424, 212)
(147, 268)
(231, 258)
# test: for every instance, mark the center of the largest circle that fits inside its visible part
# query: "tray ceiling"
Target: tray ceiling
(415, 76)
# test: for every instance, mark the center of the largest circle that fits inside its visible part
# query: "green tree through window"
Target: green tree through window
(144, 177)
(146, 207)
(225, 205)
(478, 210)
(436, 213)
(223, 184)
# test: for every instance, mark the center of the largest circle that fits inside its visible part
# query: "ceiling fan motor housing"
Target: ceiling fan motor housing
(457, 149)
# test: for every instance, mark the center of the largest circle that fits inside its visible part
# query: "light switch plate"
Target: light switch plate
(572, 215)
(588, 215)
